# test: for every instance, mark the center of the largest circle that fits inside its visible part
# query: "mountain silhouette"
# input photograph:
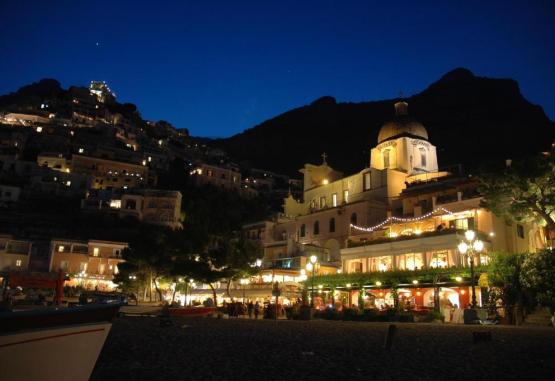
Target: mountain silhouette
(470, 119)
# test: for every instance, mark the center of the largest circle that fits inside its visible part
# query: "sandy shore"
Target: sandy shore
(138, 348)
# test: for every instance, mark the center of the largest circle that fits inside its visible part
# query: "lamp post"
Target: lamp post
(190, 291)
(311, 267)
(472, 248)
(244, 282)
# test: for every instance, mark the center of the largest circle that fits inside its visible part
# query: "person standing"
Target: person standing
(256, 310)
(250, 309)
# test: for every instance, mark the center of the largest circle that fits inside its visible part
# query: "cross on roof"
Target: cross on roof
(324, 156)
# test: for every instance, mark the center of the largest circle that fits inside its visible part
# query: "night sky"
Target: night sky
(218, 68)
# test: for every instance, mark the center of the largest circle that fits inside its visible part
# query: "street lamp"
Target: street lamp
(311, 267)
(472, 248)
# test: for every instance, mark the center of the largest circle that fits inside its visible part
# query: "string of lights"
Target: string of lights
(399, 219)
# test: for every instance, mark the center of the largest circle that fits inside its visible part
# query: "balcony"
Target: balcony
(381, 240)
(446, 239)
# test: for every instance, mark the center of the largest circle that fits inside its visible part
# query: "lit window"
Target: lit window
(322, 202)
(115, 204)
(380, 263)
(96, 251)
(81, 150)
(439, 260)
(83, 266)
(18, 263)
(345, 196)
(410, 262)
(61, 249)
(39, 129)
(334, 199)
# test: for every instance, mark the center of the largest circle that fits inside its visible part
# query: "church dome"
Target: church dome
(402, 125)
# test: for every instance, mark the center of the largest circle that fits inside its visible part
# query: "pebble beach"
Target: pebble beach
(140, 348)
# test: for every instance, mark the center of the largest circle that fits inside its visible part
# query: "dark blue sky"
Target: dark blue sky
(218, 68)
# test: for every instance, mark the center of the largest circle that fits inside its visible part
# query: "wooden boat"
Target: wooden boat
(53, 343)
(191, 311)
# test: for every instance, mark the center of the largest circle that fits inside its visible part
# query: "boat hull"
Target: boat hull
(57, 353)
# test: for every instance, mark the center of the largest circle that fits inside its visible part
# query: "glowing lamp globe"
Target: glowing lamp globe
(469, 235)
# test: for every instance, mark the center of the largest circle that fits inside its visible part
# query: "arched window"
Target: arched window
(386, 158)
(422, 156)
(354, 218)
(316, 229)
(332, 225)
(302, 232)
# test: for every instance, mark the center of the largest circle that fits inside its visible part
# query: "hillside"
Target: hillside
(470, 119)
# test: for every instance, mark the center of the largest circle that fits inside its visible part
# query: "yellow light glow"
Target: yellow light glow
(348, 285)
(378, 283)
(469, 235)
(418, 232)
(313, 259)
(458, 279)
(418, 293)
(463, 292)
(309, 266)
(325, 182)
(415, 282)
(393, 235)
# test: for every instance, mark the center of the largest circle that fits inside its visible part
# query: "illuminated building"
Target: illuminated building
(14, 253)
(90, 264)
(226, 177)
(400, 213)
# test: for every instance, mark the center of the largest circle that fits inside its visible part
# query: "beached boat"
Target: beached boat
(53, 343)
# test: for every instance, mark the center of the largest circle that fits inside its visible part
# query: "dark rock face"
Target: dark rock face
(469, 119)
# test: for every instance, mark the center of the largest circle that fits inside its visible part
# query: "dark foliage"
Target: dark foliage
(458, 111)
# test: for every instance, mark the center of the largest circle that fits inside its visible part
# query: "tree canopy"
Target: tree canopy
(523, 190)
